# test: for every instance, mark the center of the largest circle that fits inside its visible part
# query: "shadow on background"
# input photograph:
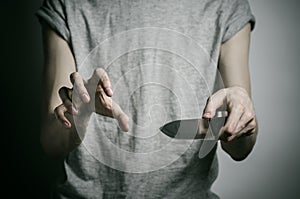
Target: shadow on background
(27, 171)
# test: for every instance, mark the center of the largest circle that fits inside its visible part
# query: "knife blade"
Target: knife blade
(199, 128)
(206, 130)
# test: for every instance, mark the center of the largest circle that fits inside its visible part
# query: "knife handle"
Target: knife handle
(221, 114)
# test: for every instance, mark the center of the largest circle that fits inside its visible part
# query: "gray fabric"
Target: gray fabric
(161, 57)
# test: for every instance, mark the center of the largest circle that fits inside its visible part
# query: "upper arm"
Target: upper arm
(58, 65)
(234, 60)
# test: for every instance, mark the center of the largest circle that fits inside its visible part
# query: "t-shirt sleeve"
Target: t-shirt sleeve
(238, 15)
(53, 14)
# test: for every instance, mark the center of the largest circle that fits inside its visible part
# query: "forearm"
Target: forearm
(234, 69)
(56, 140)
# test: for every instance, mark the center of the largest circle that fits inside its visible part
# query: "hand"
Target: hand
(241, 120)
(99, 87)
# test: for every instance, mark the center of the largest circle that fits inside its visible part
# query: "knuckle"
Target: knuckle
(229, 131)
(78, 85)
(104, 77)
(236, 131)
(210, 102)
(59, 110)
(250, 115)
(99, 72)
(100, 89)
(209, 99)
(252, 125)
(74, 75)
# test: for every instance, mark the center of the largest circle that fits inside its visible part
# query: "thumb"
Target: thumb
(119, 115)
(123, 122)
(213, 103)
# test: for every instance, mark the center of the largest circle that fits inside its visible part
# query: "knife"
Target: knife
(199, 128)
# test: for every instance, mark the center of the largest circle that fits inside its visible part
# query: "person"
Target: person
(142, 64)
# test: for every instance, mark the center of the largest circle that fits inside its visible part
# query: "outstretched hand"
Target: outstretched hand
(90, 95)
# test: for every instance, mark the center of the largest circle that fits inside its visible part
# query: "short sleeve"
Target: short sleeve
(238, 15)
(52, 13)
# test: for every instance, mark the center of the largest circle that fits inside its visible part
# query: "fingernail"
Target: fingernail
(66, 124)
(109, 91)
(85, 98)
(126, 128)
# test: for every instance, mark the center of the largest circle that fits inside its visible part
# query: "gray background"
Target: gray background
(272, 169)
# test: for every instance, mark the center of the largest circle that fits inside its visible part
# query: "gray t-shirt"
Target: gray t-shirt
(162, 59)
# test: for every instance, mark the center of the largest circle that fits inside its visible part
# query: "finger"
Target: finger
(249, 129)
(65, 94)
(246, 131)
(79, 87)
(243, 122)
(105, 101)
(111, 109)
(60, 115)
(233, 119)
(100, 78)
(213, 103)
(122, 118)
(223, 134)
